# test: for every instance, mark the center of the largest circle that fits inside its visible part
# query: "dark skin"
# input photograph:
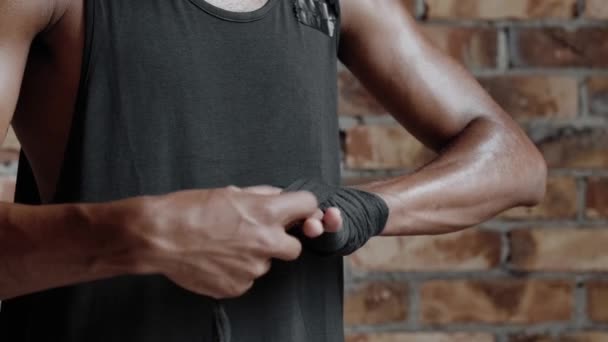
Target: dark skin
(480, 149)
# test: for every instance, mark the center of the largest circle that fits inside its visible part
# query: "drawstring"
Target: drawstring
(221, 321)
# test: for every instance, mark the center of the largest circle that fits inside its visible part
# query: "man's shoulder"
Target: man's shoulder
(32, 16)
(356, 14)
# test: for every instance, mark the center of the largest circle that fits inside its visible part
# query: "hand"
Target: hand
(313, 226)
(216, 242)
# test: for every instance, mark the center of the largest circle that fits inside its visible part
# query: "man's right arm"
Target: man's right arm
(50, 245)
(47, 246)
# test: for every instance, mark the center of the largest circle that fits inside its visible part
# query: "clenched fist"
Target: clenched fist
(216, 242)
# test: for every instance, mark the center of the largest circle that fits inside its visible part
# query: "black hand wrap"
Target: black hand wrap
(364, 215)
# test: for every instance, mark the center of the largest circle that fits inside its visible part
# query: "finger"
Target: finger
(317, 215)
(292, 206)
(312, 227)
(332, 220)
(258, 269)
(263, 189)
(287, 248)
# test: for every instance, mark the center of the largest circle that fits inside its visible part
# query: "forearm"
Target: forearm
(485, 170)
(48, 246)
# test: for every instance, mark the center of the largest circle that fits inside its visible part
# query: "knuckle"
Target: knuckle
(246, 286)
(239, 288)
(255, 270)
(291, 251)
(260, 268)
(214, 295)
(227, 287)
(233, 289)
(297, 250)
(310, 199)
(217, 295)
(268, 210)
(263, 239)
(232, 187)
(221, 195)
(220, 292)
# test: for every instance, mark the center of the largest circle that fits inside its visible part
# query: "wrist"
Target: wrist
(365, 214)
(392, 201)
(122, 245)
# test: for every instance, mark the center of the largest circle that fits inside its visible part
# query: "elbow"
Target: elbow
(534, 180)
(542, 186)
(528, 164)
(528, 170)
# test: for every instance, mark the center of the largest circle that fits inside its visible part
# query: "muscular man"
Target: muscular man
(158, 139)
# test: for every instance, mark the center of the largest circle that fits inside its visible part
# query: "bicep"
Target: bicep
(428, 92)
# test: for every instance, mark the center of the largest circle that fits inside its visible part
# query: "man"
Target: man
(171, 150)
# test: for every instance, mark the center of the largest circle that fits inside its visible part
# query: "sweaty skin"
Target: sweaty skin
(486, 163)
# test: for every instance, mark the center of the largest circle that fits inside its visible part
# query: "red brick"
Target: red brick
(496, 301)
(559, 202)
(470, 249)
(596, 9)
(576, 148)
(585, 337)
(384, 147)
(420, 337)
(474, 47)
(597, 88)
(354, 98)
(376, 303)
(597, 198)
(528, 97)
(554, 249)
(500, 9)
(588, 336)
(597, 305)
(530, 338)
(558, 47)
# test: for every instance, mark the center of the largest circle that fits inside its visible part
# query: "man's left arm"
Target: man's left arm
(485, 164)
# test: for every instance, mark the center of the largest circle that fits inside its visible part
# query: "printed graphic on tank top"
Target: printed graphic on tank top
(181, 94)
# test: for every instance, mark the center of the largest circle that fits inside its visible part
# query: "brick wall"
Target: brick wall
(530, 275)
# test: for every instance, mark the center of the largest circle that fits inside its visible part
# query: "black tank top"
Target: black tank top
(181, 94)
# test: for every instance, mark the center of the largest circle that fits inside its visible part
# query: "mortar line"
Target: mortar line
(581, 200)
(585, 104)
(580, 304)
(413, 304)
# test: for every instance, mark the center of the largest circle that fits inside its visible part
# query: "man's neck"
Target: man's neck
(238, 5)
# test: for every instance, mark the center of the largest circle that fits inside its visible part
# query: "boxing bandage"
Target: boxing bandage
(364, 215)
